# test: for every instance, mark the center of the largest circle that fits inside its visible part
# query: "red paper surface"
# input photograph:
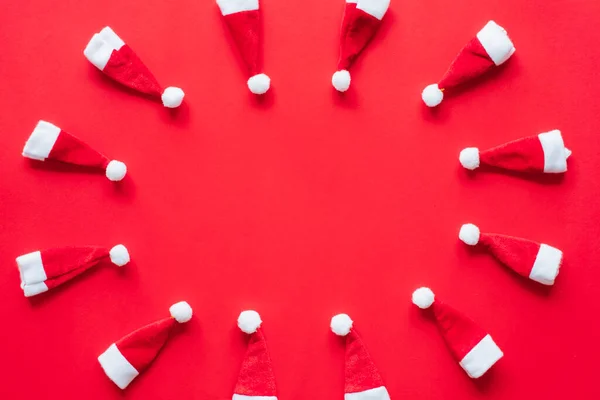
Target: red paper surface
(301, 205)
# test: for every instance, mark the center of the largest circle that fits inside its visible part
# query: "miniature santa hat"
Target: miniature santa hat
(256, 380)
(125, 359)
(49, 142)
(361, 21)
(536, 261)
(111, 55)
(471, 346)
(243, 19)
(543, 153)
(43, 270)
(362, 379)
(490, 48)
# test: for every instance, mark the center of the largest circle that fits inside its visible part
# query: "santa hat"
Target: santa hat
(538, 262)
(471, 346)
(49, 142)
(543, 153)
(490, 48)
(256, 380)
(362, 379)
(361, 21)
(243, 19)
(111, 55)
(125, 359)
(46, 269)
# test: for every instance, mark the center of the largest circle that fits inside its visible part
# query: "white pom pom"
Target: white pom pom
(259, 84)
(249, 321)
(423, 297)
(432, 95)
(116, 170)
(469, 158)
(341, 80)
(172, 97)
(341, 324)
(182, 312)
(469, 234)
(119, 255)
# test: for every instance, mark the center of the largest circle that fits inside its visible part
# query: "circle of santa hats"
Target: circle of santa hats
(111, 55)
(361, 21)
(471, 346)
(362, 378)
(243, 18)
(43, 270)
(490, 48)
(49, 142)
(128, 357)
(536, 261)
(543, 153)
(256, 379)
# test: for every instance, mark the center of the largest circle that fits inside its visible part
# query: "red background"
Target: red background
(302, 205)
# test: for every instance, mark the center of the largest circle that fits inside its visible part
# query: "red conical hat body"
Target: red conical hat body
(361, 21)
(516, 253)
(256, 377)
(46, 269)
(244, 22)
(361, 374)
(522, 155)
(142, 346)
(49, 142)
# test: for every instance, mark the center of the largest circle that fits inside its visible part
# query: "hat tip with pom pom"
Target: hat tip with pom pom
(116, 170)
(423, 298)
(119, 255)
(432, 95)
(249, 321)
(469, 234)
(182, 312)
(341, 324)
(259, 84)
(172, 97)
(469, 158)
(341, 80)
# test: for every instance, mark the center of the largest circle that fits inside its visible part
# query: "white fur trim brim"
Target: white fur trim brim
(481, 357)
(31, 268)
(379, 393)
(375, 8)
(110, 37)
(546, 265)
(244, 397)
(98, 52)
(235, 6)
(116, 367)
(555, 154)
(42, 140)
(34, 289)
(496, 42)
(352, 1)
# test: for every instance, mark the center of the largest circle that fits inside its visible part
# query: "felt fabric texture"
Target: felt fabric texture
(472, 61)
(256, 377)
(360, 372)
(515, 253)
(358, 28)
(460, 333)
(62, 264)
(142, 346)
(246, 32)
(125, 67)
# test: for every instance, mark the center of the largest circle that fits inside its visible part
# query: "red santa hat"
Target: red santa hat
(43, 270)
(471, 346)
(361, 21)
(490, 48)
(256, 380)
(111, 55)
(49, 142)
(125, 359)
(536, 261)
(243, 19)
(543, 153)
(362, 379)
